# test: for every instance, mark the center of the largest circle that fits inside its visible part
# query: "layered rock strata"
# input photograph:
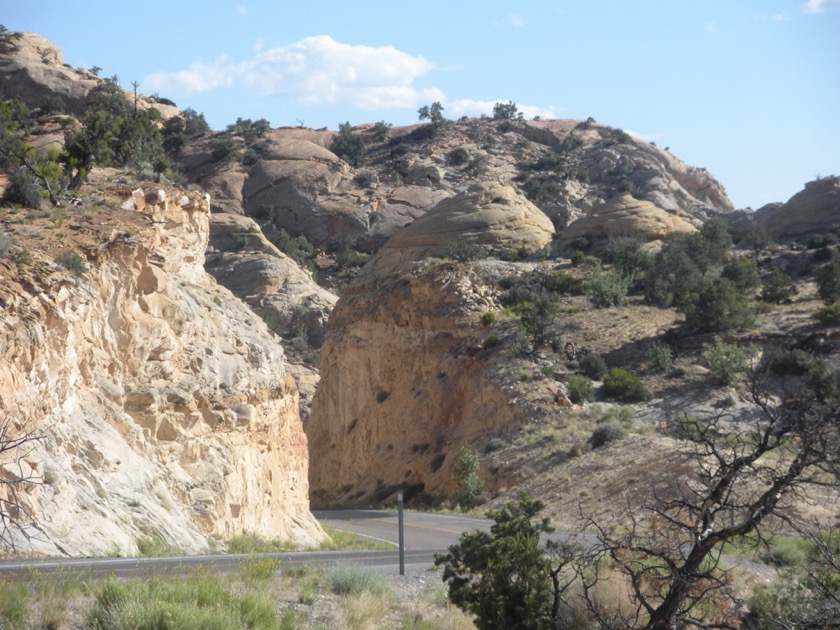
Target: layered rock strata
(164, 407)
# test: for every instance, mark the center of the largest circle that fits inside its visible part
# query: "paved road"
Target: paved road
(424, 534)
(423, 530)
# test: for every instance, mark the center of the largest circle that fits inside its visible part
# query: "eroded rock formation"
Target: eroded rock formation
(404, 381)
(165, 406)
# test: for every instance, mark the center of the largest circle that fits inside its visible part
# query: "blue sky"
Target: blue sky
(749, 89)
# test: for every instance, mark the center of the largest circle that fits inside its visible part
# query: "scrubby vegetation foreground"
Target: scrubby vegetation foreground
(261, 595)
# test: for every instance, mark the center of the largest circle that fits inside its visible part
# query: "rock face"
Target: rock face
(626, 216)
(813, 210)
(270, 282)
(404, 381)
(487, 214)
(32, 70)
(166, 408)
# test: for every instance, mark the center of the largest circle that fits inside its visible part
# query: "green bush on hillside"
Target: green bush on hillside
(619, 384)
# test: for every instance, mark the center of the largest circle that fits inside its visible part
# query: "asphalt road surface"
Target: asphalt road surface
(424, 535)
(423, 530)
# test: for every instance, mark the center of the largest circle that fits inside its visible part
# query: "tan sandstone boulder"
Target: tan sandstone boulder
(626, 216)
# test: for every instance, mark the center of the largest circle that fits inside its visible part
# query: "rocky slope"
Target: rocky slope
(404, 381)
(165, 407)
(567, 168)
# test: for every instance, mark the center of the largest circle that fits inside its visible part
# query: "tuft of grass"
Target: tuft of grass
(250, 543)
(352, 579)
(256, 569)
(154, 545)
(13, 605)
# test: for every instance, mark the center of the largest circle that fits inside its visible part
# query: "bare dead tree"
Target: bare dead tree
(746, 472)
(17, 441)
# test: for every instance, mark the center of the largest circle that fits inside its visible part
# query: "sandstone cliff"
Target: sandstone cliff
(404, 381)
(166, 408)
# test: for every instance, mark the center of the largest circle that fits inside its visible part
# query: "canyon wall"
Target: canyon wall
(163, 407)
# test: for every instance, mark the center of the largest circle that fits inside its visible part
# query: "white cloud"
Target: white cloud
(200, 77)
(314, 70)
(711, 27)
(820, 6)
(780, 17)
(516, 20)
(243, 10)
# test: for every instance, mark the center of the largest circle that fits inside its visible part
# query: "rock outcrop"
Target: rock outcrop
(813, 210)
(404, 381)
(166, 408)
(271, 283)
(32, 70)
(565, 167)
(626, 216)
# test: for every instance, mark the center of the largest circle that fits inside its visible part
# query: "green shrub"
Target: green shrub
(684, 261)
(464, 251)
(620, 384)
(537, 318)
(349, 145)
(380, 129)
(828, 281)
(488, 319)
(491, 341)
(154, 545)
(607, 433)
(777, 287)
(506, 111)
(298, 248)
(353, 579)
(256, 569)
(828, 314)
(563, 282)
(660, 357)
(609, 288)
(726, 362)
(578, 258)
(364, 179)
(23, 190)
(717, 306)
(580, 389)
(822, 382)
(593, 365)
(784, 361)
(224, 150)
(72, 262)
(627, 255)
(22, 258)
(742, 272)
(459, 156)
(468, 485)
